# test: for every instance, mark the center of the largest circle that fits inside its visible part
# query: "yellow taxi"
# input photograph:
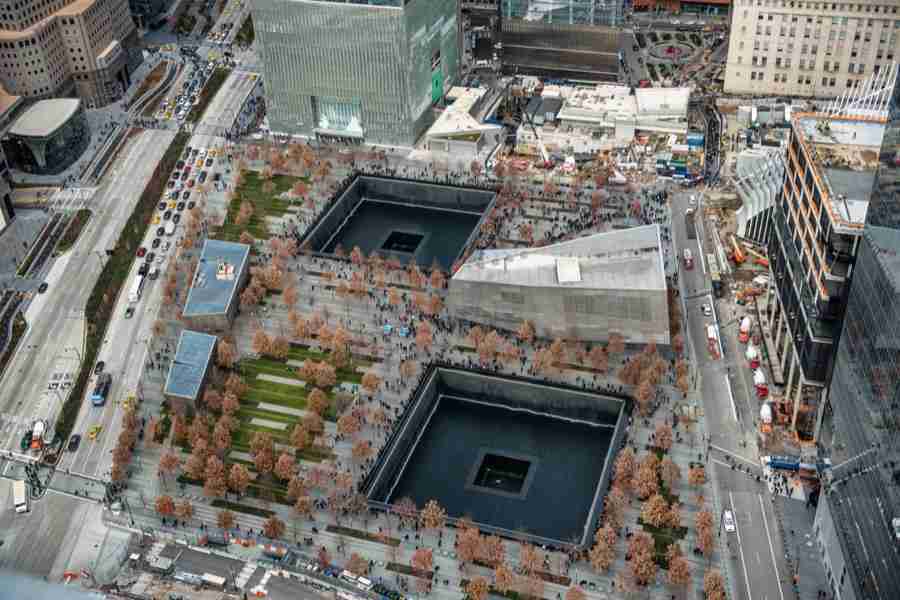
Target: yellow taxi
(94, 431)
(156, 220)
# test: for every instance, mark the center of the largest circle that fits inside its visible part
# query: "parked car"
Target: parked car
(99, 367)
(162, 206)
(150, 257)
(73, 442)
(43, 287)
(186, 194)
(176, 218)
(167, 215)
(142, 251)
(160, 231)
(190, 205)
(180, 207)
(129, 312)
(156, 243)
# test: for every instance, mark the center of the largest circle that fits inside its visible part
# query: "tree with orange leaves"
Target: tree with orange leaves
(646, 481)
(655, 511)
(422, 559)
(714, 586)
(477, 588)
(625, 467)
(663, 436)
(603, 552)
(615, 504)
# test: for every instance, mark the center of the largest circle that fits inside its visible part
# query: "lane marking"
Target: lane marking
(737, 530)
(762, 508)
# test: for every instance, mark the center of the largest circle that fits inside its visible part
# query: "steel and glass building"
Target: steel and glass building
(854, 520)
(359, 70)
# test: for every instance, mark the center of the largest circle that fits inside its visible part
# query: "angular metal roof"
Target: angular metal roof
(623, 259)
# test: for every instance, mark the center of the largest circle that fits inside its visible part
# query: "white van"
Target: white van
(20, 496)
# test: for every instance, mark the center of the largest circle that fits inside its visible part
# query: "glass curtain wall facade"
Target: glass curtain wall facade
(364, 70)
(570, 12)
(864, 401)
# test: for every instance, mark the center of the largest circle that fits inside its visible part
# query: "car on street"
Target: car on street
(180, 207)
(156, 243)
(707, 310)
(199, 163)
(150, 257)
(171, 183)
(217, 177)
(162, 206)
(160, 231)
(185, 174)
(99, 367)
(209, 162)
(167, 215)
(186, 194)
(142, 270)
(190, 183)
(73, 442)
(728, 521)
(159, 259)
(191, 205)
(43, 287)
(176, 218)
(202, 176)
(129, 312)
(142, 251)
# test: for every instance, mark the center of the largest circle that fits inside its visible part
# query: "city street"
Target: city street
(730, 421)
(50, 351)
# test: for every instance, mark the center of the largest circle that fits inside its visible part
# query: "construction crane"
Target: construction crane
(760, 259)
(738, 254)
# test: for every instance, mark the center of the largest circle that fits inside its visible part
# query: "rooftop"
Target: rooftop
(623, 259)
(844, 152)
(192, 357)
(217, 277)
(457, 117)
(43, 118)
(608, 102)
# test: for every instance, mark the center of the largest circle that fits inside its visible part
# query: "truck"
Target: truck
(20, 497)
(38, 431)
(688, 259)
(137, 288)
(744, 334)
(689, 224)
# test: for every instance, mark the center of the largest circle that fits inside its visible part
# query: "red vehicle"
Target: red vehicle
(645, 83)
(141, 252)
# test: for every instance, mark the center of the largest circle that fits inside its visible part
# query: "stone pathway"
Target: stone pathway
(277, 425)
(277, 408)
(282, 380)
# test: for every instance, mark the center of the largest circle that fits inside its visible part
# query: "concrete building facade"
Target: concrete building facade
(809, 48)
(363, 71)
(584, 289)
(86, 48)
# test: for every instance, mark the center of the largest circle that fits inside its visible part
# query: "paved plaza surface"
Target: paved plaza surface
(525, 458)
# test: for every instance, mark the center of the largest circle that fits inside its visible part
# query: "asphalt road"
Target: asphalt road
(52, 346)
(754, 551)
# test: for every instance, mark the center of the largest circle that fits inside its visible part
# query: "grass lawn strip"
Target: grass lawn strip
(242, 508)
(265, 204)
(363, 535)
(74, 229)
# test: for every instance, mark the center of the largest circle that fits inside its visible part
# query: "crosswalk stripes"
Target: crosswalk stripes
(244, 576)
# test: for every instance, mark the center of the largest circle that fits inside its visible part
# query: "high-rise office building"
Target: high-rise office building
(818, 218)
(364, 70)
(55, 48)
(854, 520)
(809, 48)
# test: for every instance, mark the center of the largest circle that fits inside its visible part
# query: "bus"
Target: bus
(101, 389)
(688, 259)
(20, 497)
(137, 289)
(689, 224)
